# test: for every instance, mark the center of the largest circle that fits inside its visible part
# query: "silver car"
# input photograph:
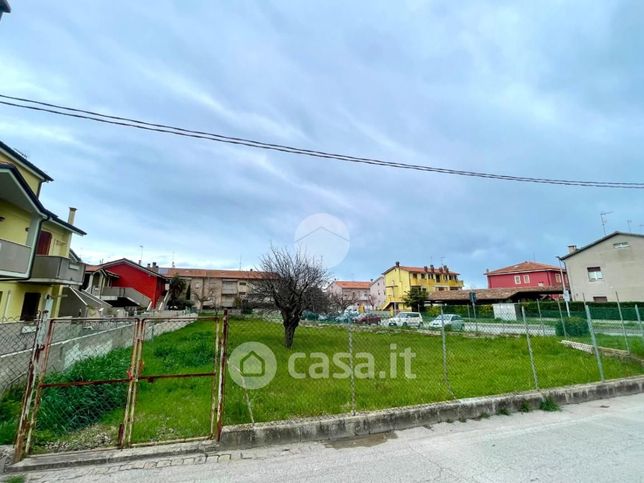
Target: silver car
(451, 321)
(404, 319)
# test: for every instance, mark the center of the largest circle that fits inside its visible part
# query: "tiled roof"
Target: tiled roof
(349, 284)
(524, 267)
(486, 294)
(211, 273)
(121, 261)
(423, 269)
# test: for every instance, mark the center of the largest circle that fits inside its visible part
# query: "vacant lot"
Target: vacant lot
(74, 418)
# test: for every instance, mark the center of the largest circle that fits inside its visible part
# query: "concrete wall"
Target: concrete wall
(622, 269)
(73, 342)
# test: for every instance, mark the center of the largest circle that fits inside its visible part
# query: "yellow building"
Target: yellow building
(399, 280)
(36, 261)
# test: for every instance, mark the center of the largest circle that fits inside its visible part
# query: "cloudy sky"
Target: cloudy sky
(553, 89)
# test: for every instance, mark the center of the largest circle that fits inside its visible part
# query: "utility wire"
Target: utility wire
(168, 129)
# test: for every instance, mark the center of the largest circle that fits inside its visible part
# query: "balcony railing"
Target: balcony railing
(61, 270)
(14, 259)
(113, 294)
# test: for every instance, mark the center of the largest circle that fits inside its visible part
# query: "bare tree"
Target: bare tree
(293, 283)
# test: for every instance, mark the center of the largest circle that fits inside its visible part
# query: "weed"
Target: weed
(548, 404)
(15, 479)
(484, 415)
(525, 407)
(503, 411)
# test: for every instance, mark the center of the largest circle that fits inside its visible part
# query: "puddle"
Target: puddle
(361, 441)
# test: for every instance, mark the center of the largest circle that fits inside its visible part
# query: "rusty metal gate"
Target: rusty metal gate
(123, 382)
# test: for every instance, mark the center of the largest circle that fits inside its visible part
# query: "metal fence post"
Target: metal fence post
(621, 318)
(223, 348)
(352, 373)
(592, 337)
(639, 321)
(561, 317)
(134, 372)
(213, 397)
(476, 321)
(445, 371)
(527, 336)
(543, 327)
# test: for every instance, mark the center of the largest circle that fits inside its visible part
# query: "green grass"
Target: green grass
(166, 409)
(15, 479)
(548, 404)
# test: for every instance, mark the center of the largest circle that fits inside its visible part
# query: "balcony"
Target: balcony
(14, 259)
(59, 270)
(122, 297)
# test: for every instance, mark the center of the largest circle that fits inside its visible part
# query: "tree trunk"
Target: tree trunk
(289, 331)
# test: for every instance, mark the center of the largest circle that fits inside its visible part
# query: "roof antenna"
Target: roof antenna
(603, 215)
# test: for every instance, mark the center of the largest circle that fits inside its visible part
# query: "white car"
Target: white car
(451, 321)
(405, 319)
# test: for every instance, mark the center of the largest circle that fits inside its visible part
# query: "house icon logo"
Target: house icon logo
(252, 365)
(324, 237)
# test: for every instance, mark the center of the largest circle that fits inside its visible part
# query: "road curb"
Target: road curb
(341, 426)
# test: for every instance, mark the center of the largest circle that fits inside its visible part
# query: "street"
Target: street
(596, 441)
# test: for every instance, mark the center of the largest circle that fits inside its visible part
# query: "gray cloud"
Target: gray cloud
(551, 89)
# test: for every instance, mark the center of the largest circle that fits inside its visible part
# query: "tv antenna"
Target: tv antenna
(603, 216)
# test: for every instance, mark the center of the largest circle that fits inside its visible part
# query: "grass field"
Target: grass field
(75, 418)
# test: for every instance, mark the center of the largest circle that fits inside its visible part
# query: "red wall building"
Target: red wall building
(142, 279)
(526, 274)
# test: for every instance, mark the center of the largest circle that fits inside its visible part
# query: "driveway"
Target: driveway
(596, 441)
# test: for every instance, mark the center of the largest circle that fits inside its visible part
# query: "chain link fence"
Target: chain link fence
(122, 382)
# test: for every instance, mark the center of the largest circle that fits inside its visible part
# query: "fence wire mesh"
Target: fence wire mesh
(129, 381)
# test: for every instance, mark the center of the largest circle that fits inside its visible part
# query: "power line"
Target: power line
(178, 131)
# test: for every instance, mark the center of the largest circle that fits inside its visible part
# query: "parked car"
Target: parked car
(347, 316)
(405, 319)
(367, 319)
(451, 321)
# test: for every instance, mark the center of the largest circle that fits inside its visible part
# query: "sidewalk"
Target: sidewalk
(596, 441)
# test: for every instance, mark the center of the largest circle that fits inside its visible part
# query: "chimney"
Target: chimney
(72, 215)
(425, 267)
(572, 248)
(148, 265)
(155, 267)
(397, 264)
(431, 268)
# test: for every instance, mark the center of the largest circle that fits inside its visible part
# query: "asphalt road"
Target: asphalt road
(596, 441)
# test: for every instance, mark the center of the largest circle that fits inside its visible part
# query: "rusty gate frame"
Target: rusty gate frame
(37, 371)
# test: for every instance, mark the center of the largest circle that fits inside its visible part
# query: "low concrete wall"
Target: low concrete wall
(362, 424)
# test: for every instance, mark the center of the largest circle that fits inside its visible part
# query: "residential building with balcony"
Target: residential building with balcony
(608, 268)
(124, 283)
(36, 262)
(213, 289)
(400, 280)
(352, 293)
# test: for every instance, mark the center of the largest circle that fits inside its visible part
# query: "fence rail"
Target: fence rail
(97, 383)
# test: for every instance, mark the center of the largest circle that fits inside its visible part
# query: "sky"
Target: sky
(543, 89)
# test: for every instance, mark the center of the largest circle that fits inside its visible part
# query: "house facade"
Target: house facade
(527, 275)
(377, 292)
(211, 288)
(35, 244)
(352, 293)
(124, 283)
(399, 280)
(609, 267)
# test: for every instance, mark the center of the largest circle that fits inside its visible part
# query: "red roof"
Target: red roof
(121, 261)
(210, 273)
(348, 284)
(524, 267)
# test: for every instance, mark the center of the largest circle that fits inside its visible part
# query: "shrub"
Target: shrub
(575, 327)
(10, 404)
(548, 404)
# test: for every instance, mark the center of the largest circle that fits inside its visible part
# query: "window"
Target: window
(526, 279)
(594, 274)
(44, 242)
(517, 280)
(600, 299)
(624, 244)
(558, 277)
